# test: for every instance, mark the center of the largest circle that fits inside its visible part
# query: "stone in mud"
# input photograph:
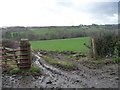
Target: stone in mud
(92, 87)
(113, 73)
(66, 52)
(79, 55)
(77, 81)
(13, 75)
(117, 78)
(49, 82)
(43, 52)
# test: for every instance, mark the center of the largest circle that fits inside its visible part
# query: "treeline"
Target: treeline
(106, 37)
(16, 33)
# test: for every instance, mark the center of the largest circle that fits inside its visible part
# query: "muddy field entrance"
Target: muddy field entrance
(85, 74)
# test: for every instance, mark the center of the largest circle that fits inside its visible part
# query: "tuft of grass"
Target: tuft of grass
(14, 70)
(12, 67)
(32, 70)
(116, 59)
(61, 63)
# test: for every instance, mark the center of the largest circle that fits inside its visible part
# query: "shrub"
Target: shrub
(116, 59)
(106, 44)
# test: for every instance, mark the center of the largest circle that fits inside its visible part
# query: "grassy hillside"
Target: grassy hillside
(73, 44)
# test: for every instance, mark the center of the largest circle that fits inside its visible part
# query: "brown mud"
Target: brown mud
(87, 74)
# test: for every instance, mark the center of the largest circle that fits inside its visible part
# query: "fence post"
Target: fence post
(94, 52)
(25, 54)
(15, 57)
(4, 55)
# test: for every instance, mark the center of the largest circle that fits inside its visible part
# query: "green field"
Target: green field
(72, 44)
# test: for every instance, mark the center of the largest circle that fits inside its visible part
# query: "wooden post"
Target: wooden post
(4, 55)
(25, 54)
(94, 53)
(15, 57)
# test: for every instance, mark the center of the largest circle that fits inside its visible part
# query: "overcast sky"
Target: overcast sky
(57, 12)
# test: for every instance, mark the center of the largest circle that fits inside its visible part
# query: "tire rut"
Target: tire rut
(52, 72)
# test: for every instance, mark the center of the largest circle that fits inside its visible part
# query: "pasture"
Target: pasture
(71, 44)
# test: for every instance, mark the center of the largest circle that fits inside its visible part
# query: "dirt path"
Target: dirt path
(53, 77)
(83, 77)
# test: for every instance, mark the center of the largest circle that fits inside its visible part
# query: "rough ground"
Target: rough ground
(88, 74)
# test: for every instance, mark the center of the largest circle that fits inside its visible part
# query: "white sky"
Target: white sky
(50, 13)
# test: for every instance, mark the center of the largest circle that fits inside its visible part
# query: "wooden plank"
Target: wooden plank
(15, 59)
(21, 49)
(12, 64)
(8, 48)
(28, 63)
(12, 55)
(24, 63)
(6, 60)
(9, 55)
(24, 66)
(21, 54)
(21, 58)
(9, 51)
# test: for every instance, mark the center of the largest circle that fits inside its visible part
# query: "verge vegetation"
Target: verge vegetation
(60, 63)
(13, 69)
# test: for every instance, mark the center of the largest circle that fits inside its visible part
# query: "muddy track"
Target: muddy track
(56, 74)
(83, 78)
(56, 78)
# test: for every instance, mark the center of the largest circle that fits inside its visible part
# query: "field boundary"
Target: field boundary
(16, 56)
